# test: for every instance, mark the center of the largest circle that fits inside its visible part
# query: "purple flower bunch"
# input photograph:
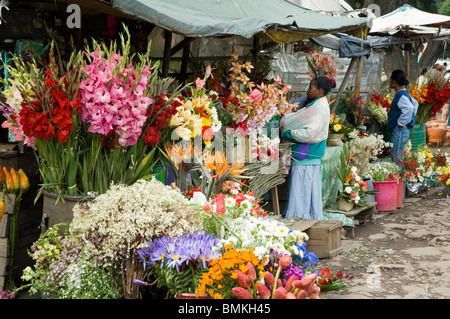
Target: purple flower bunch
(189, 250)
(286, 272)
(6, 294)
(114, 97)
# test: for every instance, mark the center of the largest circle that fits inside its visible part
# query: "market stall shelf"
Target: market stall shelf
(362, 212)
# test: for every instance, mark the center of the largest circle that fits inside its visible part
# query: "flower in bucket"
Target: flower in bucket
(380, 171)
(90, 115)
(354, 188)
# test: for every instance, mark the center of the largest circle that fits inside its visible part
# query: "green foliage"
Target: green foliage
(183, 281)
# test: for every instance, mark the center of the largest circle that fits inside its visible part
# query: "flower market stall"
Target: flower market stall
(165, 183)
(99, 125)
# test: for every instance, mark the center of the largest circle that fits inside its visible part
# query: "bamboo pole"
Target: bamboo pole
(344, 82)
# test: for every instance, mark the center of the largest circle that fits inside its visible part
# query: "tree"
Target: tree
(445, 8)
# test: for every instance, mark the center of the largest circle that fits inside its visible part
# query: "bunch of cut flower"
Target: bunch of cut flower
(114, 225)
(87, 119)
(321, 64)
(245, 227)
(328, 281)
(354, 188)
(212, 166)
(379, 106)
(178, 263)
(443, 173)
(431, 96)
(251, 105)
(62, 271)
(196, 115)
(417, 165)
(15, 183)
(351, 104)
(294, 285)
(338, 125)
(365, 148)
(383, 171)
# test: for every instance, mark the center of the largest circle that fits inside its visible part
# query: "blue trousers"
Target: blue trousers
(400, 137)
(304, 197)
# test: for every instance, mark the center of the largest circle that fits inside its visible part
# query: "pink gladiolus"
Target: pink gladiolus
(302, 294)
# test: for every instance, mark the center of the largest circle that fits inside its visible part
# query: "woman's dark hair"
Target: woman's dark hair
(424, 70)
(324, 83)
(400, 77)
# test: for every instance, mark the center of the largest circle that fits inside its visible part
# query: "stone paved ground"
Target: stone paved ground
(401, 254)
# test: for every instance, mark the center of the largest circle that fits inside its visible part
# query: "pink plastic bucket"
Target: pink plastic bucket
(387, 197)
(400, 194)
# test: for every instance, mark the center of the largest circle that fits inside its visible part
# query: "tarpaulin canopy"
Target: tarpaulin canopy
(277, 20)
(407, 16)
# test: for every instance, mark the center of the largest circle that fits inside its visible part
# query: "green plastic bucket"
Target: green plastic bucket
(418, 136)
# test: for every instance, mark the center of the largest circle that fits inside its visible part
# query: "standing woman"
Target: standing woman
(308, 130)
(401, 115)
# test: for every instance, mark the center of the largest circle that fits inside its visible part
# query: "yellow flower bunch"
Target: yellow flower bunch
(221, 276)
(14, 182)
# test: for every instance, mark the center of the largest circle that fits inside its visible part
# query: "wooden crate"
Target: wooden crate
(325, 238)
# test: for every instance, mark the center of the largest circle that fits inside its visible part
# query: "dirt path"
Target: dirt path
(401, 254)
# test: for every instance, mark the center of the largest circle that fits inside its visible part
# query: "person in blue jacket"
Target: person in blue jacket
(401, 115)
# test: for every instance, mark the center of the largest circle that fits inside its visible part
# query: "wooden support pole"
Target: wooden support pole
(344, 82)
(166, 58)
(185, 62)
(407, 55)
(359, 74)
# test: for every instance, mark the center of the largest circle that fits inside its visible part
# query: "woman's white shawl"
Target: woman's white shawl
(310, 123)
